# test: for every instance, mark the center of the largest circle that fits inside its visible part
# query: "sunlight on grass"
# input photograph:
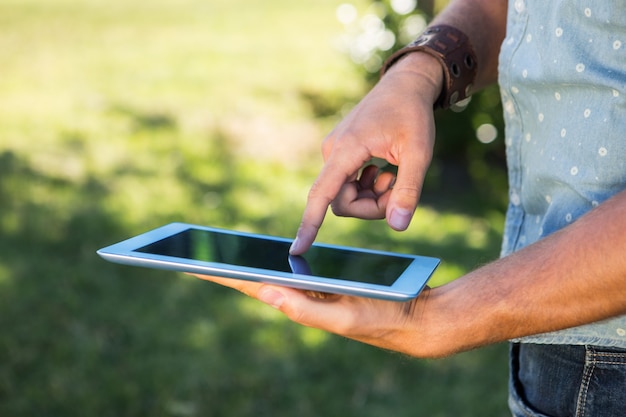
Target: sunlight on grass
(445, 273)
(313, 338)
(118, 116)
(257, 310)
(202, 333)
(271, 335)
(5, 274)
(10, 222)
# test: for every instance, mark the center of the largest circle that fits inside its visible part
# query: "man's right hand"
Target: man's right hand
(393, 122)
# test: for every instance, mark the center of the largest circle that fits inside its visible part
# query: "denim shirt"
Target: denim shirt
(563, 85)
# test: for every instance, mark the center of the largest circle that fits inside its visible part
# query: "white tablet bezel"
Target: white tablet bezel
(406, 287)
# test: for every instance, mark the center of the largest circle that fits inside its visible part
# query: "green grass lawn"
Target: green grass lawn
(118, 116)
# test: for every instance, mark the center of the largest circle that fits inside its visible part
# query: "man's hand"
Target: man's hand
(393, 122)
(540, 288)
(386, 324)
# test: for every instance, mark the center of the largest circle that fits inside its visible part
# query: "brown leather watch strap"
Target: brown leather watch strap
(453, 50)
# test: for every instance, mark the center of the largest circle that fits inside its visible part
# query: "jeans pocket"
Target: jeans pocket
(567, 381)
(603, 388)
(518, 405)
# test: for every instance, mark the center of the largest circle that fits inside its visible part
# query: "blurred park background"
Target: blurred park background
(117, 116)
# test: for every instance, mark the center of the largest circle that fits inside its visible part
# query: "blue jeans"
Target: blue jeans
(567, 381)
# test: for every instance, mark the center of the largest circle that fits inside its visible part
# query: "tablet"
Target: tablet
(323, 268)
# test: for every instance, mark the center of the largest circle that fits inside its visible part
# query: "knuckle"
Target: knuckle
(412, 191)
(317, 192)
(338, 208)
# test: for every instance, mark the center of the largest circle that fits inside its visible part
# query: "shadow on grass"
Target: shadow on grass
(82, 337)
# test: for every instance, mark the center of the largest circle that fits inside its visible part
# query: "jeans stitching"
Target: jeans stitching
(590, 365)
(593, 362)
(610, 358)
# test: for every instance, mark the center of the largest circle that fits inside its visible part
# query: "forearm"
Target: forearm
(573, 277)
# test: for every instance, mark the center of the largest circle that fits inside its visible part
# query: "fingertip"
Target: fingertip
(300, 245)
(294, 249)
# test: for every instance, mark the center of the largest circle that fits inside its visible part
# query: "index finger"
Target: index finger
(335, 173)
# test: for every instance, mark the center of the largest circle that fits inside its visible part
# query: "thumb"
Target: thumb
(404, 197)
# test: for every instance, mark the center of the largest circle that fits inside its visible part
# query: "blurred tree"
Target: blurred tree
(469, 151)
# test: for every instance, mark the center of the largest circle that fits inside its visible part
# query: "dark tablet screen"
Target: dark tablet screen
(270, 254)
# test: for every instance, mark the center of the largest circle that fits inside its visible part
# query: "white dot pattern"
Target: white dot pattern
(561, 77)
(515, 199)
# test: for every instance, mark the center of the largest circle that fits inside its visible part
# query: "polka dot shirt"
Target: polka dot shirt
(563, 86)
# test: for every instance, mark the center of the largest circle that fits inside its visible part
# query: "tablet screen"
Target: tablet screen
(270, 254)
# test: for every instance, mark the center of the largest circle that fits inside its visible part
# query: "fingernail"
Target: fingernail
(271, 297)
(293, 250)
(399, 219)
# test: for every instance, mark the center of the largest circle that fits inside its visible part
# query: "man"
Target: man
(559, 289)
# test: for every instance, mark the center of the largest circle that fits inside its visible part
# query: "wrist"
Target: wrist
(450, 319)
(456, 56)
(421, 71)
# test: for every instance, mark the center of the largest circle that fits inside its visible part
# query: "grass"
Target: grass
(116, 117)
